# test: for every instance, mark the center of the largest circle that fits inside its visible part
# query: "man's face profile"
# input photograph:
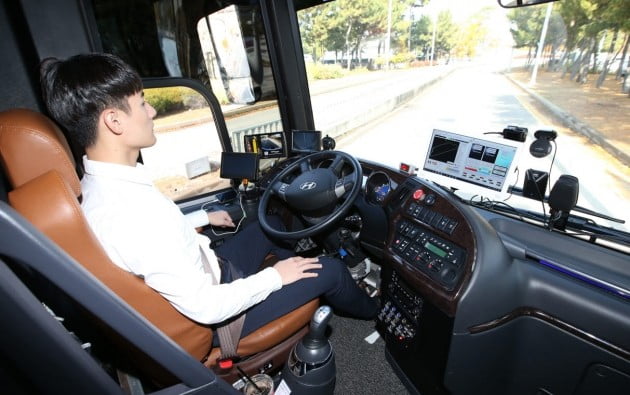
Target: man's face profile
(138, 122)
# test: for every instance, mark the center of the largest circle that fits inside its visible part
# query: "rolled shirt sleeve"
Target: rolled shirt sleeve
(198, 218)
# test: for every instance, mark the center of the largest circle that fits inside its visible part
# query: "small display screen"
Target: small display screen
(267, 145)
(306, 141)
(434, 249)
(239, 165)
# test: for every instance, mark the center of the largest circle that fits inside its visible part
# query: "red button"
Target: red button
(418, 194)
(225, 363)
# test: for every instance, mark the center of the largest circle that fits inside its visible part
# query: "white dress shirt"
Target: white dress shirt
(145, 233)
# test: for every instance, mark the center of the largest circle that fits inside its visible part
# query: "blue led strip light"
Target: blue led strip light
(587, 279)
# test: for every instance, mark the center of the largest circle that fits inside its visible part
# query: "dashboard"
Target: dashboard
(430, 242)
(462, 287)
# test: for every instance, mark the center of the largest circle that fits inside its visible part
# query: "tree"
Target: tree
(445, 34)
(354, 20)
(471, 35)
(420, 34)
(586, 22)
(614, 15)
(526, 27)
(344, 25)
(313, 28)
(576, 14)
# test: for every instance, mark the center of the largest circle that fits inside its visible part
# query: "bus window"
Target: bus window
(185, 160)
(223, 48)
(235, 52)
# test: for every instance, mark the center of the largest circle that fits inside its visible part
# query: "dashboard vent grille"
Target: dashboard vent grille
(402, 192)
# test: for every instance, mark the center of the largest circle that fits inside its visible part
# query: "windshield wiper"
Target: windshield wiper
(583, 210)
(594, 230)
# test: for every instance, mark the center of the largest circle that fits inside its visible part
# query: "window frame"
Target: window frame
(193, 203)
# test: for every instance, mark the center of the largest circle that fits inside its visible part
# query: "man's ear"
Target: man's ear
(110, 117)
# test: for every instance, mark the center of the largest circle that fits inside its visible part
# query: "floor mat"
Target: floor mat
(361, 366)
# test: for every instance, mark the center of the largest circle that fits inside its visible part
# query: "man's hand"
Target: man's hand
(296, 268)
(220, 218)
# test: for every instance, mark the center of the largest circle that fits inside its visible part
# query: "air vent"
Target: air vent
(400, 195)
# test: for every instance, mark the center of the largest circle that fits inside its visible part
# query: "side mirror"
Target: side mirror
(521, 3)
(232, 43)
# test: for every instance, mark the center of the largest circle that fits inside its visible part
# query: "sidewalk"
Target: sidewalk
(603, 114)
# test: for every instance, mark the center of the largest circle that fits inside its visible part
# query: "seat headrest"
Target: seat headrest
(31, 145)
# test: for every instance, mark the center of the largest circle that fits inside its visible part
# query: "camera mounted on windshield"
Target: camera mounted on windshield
(516, 133)
(541, 147)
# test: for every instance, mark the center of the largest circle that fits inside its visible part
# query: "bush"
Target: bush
(167, 100)
(419, 63)
(402, 57)
(318, 71)
(380, 61)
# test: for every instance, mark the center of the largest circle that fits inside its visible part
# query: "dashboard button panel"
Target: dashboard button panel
(431, 217)
(440, 259)
(399, 318)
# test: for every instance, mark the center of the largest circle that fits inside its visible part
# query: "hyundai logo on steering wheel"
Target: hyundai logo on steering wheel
(308, 185)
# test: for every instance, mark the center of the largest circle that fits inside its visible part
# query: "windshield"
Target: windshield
(399, 81)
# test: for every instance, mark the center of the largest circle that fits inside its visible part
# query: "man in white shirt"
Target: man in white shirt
(98, 99)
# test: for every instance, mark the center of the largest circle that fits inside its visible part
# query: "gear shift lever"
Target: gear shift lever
(315, 338)
(311, 367)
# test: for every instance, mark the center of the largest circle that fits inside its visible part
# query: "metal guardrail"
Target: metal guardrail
(361, 110)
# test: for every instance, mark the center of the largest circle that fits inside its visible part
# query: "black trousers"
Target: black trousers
(248, 249)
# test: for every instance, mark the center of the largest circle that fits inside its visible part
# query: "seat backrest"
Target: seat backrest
(46, 188)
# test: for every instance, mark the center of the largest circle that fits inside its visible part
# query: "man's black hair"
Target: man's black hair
(78, 89)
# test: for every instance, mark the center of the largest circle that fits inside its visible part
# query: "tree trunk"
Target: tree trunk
(553, 64)
(568, 57)
(575, 67)
(357, 51)
(582, 73)
(611, 49)
(623, 58)
(595, 52)
(349, 55)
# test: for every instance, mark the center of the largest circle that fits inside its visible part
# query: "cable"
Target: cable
(542, 201)
(238, 225)
(518, 174)
(517, 212)
(488, 204)
(470, 201)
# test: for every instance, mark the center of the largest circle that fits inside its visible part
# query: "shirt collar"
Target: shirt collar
(137, 174)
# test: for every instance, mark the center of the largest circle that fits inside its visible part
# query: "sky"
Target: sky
(462, 9)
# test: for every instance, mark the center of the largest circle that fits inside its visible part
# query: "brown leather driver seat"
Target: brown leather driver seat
(46, 188)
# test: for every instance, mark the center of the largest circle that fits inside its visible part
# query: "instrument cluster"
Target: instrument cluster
(378, 186)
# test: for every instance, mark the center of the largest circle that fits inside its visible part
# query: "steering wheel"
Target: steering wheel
(313, 192)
